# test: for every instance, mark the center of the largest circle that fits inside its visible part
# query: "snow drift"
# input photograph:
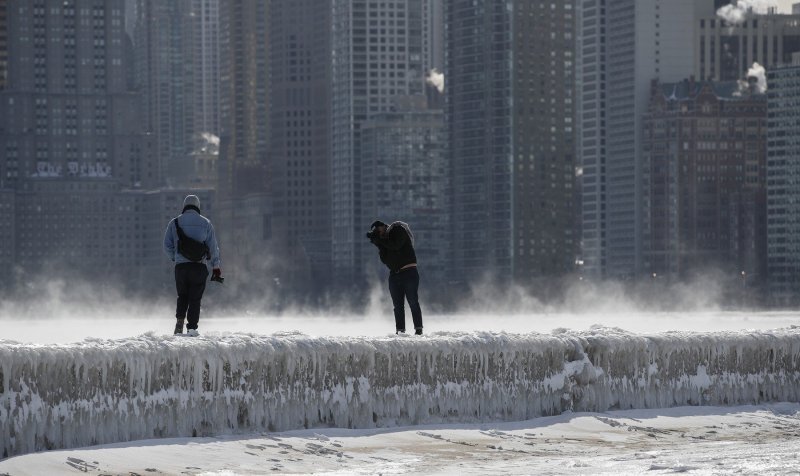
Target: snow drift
(102, 391)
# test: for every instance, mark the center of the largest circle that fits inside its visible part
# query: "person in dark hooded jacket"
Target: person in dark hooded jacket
(395, 245)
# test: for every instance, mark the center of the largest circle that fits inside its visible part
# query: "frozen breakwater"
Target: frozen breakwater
(104, 391)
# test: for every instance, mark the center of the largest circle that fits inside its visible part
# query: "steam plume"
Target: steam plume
(759, 74)
(757, 71)
(211, 138)
(736, 13)
(436, 79)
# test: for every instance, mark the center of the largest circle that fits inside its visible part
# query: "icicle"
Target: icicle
(154, 387)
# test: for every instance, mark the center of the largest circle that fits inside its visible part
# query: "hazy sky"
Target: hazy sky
(785, 5)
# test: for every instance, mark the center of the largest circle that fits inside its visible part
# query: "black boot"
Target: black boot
(418, 331)
(179, 326)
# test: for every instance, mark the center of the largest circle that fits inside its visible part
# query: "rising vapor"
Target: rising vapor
(757, 71)
(436, 79)
(211, 138)
(736, 13)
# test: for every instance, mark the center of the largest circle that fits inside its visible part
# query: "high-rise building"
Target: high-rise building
(244, 199)
(378, 54)
(783, 187)
(725, 51)
(433, 32)
(511, 116)
(89, 227)
(404, 176)
(177, 55)
(8, 235)
(624, 45)
(543, 137)
(131, 17)
(3, 42)
(204, 47)
(68, 111)
(704, 146)
(300, 137)
(74, 153)
(244, 118)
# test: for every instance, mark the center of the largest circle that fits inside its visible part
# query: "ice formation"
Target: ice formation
(103, 391)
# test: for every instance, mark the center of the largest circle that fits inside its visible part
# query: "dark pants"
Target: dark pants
(190, 280)
(404, 285)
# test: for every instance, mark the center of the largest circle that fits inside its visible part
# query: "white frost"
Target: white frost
(104, 391)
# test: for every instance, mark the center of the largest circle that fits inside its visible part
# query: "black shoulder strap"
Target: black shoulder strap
(178, 228)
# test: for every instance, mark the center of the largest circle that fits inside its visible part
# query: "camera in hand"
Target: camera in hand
(375, 230)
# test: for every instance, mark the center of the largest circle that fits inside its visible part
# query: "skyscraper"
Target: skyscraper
(73, 149)
(244, 118)
(177, 52)
(511, 116)
(204, 54)
(625, 44)
(543, 139)
(783, 188)
(725, 51)
(378, 54)
(404, 170)
(68, 107)
(3, 42)
(245, 206)
(300, 137)
(433, 32)
(8, 235)
(704, 146)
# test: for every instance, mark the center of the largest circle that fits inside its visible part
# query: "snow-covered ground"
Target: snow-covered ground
(695, 440)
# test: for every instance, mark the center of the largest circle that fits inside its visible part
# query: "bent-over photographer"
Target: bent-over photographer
(396, 248)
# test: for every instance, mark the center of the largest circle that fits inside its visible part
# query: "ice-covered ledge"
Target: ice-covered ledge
(102, 391)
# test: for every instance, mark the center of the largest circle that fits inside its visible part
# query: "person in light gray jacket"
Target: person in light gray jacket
(190, 242)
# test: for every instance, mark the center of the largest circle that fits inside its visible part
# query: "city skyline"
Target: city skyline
(460, 237)
(301, 121)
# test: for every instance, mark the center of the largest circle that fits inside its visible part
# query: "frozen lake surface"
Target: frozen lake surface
(74, 327)
(762, 439)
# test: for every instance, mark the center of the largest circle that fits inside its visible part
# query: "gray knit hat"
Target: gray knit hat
(191, 200)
